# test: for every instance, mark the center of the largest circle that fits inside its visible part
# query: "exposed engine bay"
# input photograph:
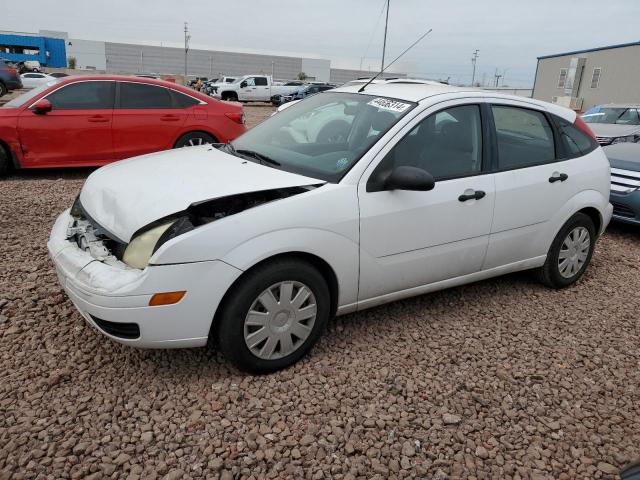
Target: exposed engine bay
(101, 245)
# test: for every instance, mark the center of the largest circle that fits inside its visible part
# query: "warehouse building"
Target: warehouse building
(585, 78)
(48, 51)
(129, 58)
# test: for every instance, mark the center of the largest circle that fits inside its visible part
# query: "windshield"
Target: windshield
(325, 135)
(25, 97)
(612, 115)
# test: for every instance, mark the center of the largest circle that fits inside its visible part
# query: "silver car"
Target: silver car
(614, 123)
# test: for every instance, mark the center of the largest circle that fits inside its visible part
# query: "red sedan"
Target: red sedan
(91, 121)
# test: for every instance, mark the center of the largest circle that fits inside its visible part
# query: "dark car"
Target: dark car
(62, 75)
(625, 181)
(9, 78)
(303, 92)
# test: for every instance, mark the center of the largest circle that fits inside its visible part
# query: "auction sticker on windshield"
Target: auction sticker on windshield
(391, 105)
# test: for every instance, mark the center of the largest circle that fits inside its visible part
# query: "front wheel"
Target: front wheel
(570, 253)
(3, 89)
(274, 316)
(194, 139)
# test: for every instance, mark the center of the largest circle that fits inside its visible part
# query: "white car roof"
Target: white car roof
(426, 93)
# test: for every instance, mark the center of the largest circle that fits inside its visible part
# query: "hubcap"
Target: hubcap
(574, 252)
(280, 320)
(194, 142)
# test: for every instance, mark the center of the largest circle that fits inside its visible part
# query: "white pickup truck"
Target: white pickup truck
(254, 88)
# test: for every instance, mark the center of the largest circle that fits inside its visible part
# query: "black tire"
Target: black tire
(5, 161)
(230, 328)
(549, 274)
(3, 89)
(229, 97)
(193, 139)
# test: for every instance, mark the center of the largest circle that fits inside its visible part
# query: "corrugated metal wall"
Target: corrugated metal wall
(130, 58)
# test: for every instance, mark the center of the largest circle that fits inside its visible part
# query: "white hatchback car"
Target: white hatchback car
(342, 202)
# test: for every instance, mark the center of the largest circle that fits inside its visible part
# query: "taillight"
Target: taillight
(583, 127)
(237, 117)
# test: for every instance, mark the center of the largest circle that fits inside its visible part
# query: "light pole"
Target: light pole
(187, 37)
(474, 59)
(384, 45)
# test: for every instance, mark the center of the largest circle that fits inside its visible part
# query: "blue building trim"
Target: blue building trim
(576, 52)
(51, 51)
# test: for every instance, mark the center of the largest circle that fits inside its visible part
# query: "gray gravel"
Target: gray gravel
(500, 379)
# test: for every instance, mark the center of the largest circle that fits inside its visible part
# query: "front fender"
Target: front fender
(341, 253)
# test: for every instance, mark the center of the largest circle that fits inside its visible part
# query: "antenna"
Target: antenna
(395, 60)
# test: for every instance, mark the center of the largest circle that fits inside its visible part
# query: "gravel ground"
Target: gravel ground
(499, 379)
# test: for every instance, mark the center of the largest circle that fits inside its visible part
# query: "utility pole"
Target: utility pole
(210, 67)
(474, 60)
(187, 37)
(273, 70)
(497, 78)
(386, 25)
(141, 61)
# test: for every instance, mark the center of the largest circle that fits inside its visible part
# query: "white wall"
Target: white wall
(317, 68)
(88, 53)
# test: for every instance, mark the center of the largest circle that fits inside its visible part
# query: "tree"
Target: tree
(302, 76)
(72, 62)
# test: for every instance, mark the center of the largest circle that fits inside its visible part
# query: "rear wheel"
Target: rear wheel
(570, 253)
(274, 316)
(194, 139)
(5, 161)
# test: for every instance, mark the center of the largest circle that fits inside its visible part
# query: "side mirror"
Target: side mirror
(410, 178)
(42, 106)
(243, 85)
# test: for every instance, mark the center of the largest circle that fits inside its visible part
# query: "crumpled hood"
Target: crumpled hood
(608, 130)
(128, 195)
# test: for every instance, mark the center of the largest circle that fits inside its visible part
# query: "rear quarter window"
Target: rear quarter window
(183, 101)
(574, 142)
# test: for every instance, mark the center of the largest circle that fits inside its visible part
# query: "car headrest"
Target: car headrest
(456, 136)
(382, 120)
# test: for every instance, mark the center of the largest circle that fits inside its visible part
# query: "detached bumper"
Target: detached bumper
(626, 207)
(114, 299)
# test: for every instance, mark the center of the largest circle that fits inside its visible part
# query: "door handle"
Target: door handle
(477, 195)
(98, 119)
(558, 177)
(169, 118)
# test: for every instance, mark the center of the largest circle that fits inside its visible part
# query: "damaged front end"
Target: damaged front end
(107, 248)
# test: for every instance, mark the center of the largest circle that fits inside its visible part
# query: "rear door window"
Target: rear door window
(143, 96)
(524, 137)
(261, 81)
(93, 95)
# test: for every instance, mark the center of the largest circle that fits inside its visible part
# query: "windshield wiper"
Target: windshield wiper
(258, 156)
